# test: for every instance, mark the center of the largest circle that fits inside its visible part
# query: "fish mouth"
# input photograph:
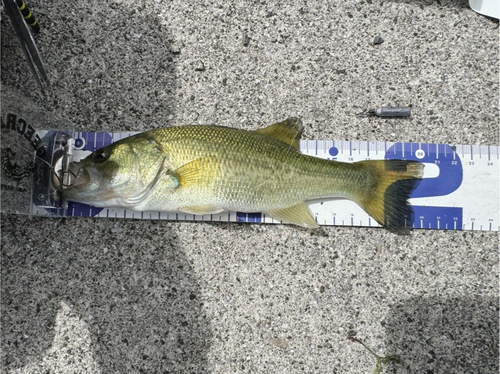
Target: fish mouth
(81, 181)
(84, 186)
(81, 174)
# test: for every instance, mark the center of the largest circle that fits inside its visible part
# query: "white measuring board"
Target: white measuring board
(459, 191)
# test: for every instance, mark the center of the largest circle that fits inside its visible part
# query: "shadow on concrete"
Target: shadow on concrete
(445, 335)
(138, 297)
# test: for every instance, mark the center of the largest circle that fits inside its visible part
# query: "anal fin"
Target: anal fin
(201, 209)
(298, 214)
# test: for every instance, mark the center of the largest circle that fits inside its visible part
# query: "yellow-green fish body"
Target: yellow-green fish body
(209, 169)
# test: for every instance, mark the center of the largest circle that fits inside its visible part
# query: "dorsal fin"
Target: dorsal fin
(288, 131)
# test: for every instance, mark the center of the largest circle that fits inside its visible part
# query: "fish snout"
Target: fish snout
(80, 174)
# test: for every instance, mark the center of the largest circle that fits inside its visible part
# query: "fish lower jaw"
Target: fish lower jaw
(110, 203)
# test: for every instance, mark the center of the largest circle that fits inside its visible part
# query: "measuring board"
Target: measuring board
(459, 191)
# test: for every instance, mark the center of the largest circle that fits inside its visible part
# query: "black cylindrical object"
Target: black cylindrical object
(391, 112)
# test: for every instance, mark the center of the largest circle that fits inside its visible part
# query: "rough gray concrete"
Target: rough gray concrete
(114, 296)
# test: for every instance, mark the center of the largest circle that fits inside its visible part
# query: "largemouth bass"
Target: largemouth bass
(210, 169)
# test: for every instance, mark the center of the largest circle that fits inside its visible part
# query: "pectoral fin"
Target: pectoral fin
(298, 214)
(198, 172)
(288, 131)
(201, 209)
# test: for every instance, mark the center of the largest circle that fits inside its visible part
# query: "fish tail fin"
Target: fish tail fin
(387, 200)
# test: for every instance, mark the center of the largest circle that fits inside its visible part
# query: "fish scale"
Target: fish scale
(248, 163)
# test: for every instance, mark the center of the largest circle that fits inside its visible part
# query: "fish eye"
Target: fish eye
(100, 156)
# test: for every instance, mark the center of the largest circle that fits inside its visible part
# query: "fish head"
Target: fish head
(121, 174)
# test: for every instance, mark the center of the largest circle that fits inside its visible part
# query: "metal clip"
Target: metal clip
(67, 177)
(52, 175)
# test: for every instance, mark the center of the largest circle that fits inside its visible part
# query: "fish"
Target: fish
(208, 169)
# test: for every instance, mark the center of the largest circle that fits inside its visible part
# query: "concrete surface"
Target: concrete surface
(116, 296)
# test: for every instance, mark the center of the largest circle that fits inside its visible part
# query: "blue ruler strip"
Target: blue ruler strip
(459, 190)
